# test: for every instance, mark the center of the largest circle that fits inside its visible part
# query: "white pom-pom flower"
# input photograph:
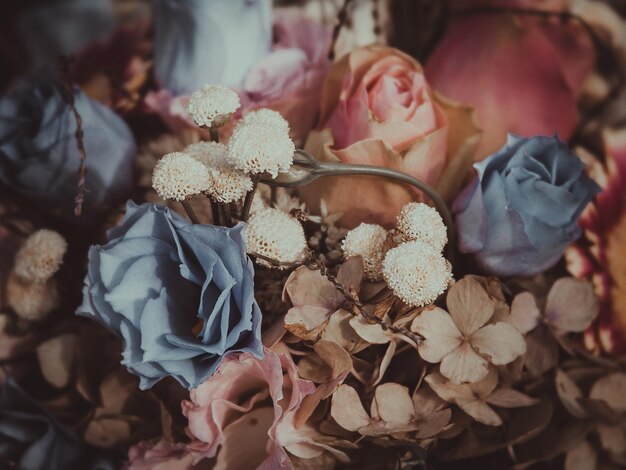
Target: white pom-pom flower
(367, 241)
(226, 183)
(178, 176)
(276, 235)
(416, 273)
(40, 256)
(259, 148)
(417, 221)
(266, 117)
(212, 105)
(32, 301)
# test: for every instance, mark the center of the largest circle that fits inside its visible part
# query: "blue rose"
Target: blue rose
(520, 213)
(39, 158)
(32, 439)
(180, 295)
(209, 41)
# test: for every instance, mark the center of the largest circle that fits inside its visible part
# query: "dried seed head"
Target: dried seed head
(178, 176)
(367, 241)
(40, 256)
(276, 235)
(32, 301)
(417, 221)
(416, 273)
(226, 183)
(213, 105)
(258, 148)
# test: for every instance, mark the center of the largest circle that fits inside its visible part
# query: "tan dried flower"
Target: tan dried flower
(178, 176)
(40, 256)
(276, 235)
(416, 273)
(367, 241)
(417, 221)
(32, 301)
(213, 105)
(461, 340)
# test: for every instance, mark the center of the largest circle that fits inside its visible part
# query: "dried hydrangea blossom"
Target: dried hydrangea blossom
(462, 340)
(212, 105)
(32, 301)
(178, 176)
(40, 256)
(367, 241)
(258, 148)
(416, 273)
(393, 411)
(276, 235)
(226, 183)
(475, 398)
(417, 221)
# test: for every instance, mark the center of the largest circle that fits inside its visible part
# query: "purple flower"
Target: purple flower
(520, 213)
(180, 295)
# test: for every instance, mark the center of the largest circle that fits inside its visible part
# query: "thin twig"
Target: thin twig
(215, 212)
(215, 133)
(342, 19)
(192, 215)
(247, 203)
(80, 144)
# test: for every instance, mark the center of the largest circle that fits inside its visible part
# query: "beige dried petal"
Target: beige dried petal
(542, 351)
(446, 389)
(384, 364)
(571, 305)
(480, 411)
(485, 386)
(371, 332)
(464, 365)
(306, 321)
(509, 398)
(612, 438)
(525, 316)
(612, 390)
(57, 358)
(581, 457)
(569, 393)
(339, 330)
(107, 432)
(426, 402)
(501, 342)
(469, 305)
(441, 335)
(433, 424)
(347, 409)
(335, 357)
(393, 404)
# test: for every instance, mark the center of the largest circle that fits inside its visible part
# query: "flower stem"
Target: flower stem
(215, 212)
(226, 214)
(192, 215)
(247, 203)
(215, 133)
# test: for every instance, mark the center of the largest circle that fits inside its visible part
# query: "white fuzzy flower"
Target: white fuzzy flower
(276, 235)
(417, 221)
(40, 256)
(367, 241)
(416, 273)
(178, 176)
(226, 183)
(32, 300)
(267, 117)
(212, 105)
(258, 148)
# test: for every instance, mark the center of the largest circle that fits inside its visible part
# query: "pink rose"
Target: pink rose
(289, 79)
(522, 74)
(230, 410)
(377, 109)
(162, 455)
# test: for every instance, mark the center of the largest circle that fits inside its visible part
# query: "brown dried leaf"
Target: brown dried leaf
(509, 398)
(570, 394)
(542, 351)
(107, 432)
(56, 359)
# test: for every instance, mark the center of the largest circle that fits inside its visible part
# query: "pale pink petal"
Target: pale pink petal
(469, 305)
(525, 315)
(572, 305)
(307, 321)
(162, 455)
(581, 457)
(347, 409)
(448, 390)
(569, 394)
(480, 411)
(612, 390)
(464, 365)
(501, 342)
(612, 438)
(394, 404)
(308, 287)
(441, 336)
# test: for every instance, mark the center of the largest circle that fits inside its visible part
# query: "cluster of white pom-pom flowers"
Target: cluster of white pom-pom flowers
(408, 258)
(226, 173)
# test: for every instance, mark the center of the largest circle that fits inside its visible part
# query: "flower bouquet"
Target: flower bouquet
(311, 235)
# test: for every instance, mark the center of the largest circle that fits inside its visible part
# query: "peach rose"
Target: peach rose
(377, 109)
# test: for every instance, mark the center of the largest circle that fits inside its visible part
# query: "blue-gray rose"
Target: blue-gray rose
(39, 158)
(216, 41)
(180, 295)
(32, 439)
(520, 213)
